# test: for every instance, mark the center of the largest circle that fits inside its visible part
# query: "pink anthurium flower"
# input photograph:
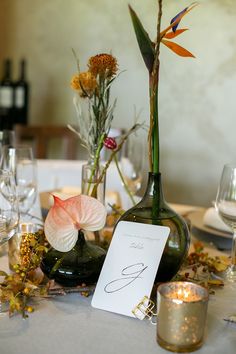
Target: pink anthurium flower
(67, 217)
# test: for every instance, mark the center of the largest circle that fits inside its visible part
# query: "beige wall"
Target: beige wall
(197, 96)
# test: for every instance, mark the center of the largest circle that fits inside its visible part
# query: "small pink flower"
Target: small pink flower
(67, 217)
(110, 143)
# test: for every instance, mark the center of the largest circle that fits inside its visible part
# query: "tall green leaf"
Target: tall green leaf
(146, 46)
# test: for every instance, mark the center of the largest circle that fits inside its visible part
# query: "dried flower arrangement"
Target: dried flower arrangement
(94, 87)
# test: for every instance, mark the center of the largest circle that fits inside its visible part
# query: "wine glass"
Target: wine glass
(226, 207)
(9, 215)
(19, 160)
(132, 162)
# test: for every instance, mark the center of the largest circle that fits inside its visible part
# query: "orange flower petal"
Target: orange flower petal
(171, 35)
(176, 48)
(68, 216)
(178, 19)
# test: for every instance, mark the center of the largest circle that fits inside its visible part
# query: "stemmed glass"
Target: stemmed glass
(132, 163)
(226, 207)
(9, 215)
(19, 160)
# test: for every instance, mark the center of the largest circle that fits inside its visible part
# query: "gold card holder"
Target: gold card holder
(145, 309)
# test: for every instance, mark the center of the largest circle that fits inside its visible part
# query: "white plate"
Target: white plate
(222, 240)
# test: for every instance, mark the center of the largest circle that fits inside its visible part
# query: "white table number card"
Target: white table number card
(130, 266)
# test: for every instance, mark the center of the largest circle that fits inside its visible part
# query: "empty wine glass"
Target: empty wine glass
(226, 207)
(132, 162)
(9, 215)
(19, 160)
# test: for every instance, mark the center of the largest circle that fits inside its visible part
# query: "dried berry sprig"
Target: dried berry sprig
(18, 289)
(199, 268)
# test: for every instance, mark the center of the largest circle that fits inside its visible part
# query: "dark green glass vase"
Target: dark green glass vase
(80, 265)
(152, 209)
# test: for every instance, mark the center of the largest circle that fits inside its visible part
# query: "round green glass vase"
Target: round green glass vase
(82, 264)
(153, 209)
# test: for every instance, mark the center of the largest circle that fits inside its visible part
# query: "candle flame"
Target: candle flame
(183, 294)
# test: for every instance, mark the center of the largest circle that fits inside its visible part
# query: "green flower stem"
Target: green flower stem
(154, 123)
(154, 155)
(57, 265)
(96, 161)
(155, 136)
(156, 199)
(123, 180)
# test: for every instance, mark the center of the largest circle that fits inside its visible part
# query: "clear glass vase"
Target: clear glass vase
(153, 209)
(91, 186)
(90, 177)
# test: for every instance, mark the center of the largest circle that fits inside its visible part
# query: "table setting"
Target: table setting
(94, 260)
(207, 225)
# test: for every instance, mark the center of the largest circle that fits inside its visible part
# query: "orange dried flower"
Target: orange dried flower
(103, 65)
(85, 83)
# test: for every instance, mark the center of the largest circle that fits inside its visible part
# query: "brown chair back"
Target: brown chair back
(42, 137)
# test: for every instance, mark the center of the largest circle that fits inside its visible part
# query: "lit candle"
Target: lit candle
(182, 309)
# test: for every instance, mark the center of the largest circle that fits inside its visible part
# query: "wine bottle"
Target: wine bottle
(21, 96)
(6, 97)
(7, 138)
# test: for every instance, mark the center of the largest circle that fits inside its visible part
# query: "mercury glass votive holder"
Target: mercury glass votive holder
(181, 311)
(15, 241)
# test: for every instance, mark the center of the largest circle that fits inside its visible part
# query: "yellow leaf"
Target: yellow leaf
(216, 282)
(221, 263)
(220, 267)
(225, 259)
(177, 49)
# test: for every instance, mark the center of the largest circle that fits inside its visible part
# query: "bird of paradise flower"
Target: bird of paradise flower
(150, 52)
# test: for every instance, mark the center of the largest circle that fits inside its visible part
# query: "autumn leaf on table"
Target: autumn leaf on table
(67, 217)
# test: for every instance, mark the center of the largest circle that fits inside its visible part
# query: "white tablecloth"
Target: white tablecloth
(68, 325)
